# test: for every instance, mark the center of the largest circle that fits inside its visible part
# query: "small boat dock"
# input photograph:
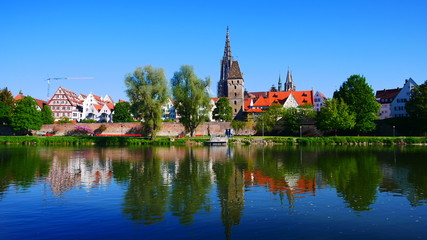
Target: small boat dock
(217, 141)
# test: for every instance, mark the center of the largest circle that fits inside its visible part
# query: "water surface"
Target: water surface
(213, 193)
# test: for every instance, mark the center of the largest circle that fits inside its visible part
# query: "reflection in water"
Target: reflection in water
(180, 180)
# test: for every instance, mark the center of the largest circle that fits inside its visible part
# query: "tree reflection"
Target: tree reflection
(146, 197)
(190, 187)
(230, 184)
(355, 175)
(21, 166)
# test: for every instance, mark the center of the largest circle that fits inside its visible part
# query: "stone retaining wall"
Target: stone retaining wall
(168, 128)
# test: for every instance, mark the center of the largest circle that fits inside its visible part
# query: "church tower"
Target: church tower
(279, 84)
(289, 84)
(226, 62)
(231, 83)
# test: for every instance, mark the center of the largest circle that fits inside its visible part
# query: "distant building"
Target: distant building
(231, 83)
(319, 100)
(40, 103)
(393, 101)
(398, 108)
(67, 104)
(385, 98)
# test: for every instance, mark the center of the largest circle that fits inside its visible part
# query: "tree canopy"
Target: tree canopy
(26, 117)
(147, 89)
(191, 97)
(122, 112)
(46, 115)
(417, 104)
(335, 115)
(360, 98)
(7, 104)
(223, 111)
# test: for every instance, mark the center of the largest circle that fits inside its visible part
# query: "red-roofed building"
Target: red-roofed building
(385, 98)
(65, 104)
(40, 103)
(98, 108)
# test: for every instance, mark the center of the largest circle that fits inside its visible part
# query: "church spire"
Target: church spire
(227, 49)
(226, 63)
(289, 84)
(279, 84)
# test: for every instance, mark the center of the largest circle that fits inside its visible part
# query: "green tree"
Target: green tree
(360, 98)
(417, 105)
(292, 117)
(46, 115)
(335, 115)
(7, 103)
(122, 112)
(238, 125)
(223, 111)
(147, 89)
(26, 117)
(5, 114)
(191, 98)
(7, 98)
(268, 120)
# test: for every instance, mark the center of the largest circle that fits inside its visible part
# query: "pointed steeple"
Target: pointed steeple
(279, 84)
(226, 63)
(227, 49)
(289, 84)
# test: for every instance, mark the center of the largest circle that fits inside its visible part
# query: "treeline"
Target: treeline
(22, 115)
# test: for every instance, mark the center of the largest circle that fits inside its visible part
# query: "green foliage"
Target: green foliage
(88, 121)
(7, 104)
(7, 98)
(335, 115)
(5, 114)
(238, 125)
(46, 115)
(417, 106)
(360, 98)
(122, 112)
(26, 116)
(268, 120)
(223, 111)
(64, 120)
(148, 92)
(292, 117)
(191, 96)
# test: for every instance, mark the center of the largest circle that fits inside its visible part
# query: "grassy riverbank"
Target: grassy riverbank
(122, 141)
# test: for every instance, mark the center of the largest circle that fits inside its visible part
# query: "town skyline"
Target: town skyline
(322, 44)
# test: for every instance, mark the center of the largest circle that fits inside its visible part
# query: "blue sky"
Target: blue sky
(323, 42)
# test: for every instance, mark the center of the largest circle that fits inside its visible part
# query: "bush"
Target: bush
(88, 121)
(80, 131)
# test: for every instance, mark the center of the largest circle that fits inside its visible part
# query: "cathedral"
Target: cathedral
(231, 83)
(232, 86)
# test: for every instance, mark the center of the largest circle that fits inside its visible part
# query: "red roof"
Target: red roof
(255, 110)
(388, 93)
(247, 103)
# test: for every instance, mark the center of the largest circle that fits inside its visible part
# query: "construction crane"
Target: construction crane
(61, 78)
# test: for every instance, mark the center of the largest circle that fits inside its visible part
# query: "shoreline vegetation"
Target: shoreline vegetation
(237, 140)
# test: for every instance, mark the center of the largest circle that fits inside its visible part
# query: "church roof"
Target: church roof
(235, 71)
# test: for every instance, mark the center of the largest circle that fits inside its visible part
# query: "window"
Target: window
(235, 102)
(235, 94)
(235, 87)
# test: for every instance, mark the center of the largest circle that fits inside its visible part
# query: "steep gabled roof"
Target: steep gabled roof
(261, 102)
(387, 93)
(304, 97)
(235, 71)
(247, 103)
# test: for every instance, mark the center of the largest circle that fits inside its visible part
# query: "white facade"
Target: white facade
(319, 100)
(97, 108)
(397, 107)
(168, 111)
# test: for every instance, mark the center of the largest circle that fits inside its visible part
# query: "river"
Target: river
(247, 192)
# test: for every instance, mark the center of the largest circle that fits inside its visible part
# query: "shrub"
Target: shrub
(88, 121)
(80, 131)
(101, 129)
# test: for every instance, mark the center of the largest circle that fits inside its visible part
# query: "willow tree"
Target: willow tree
(147, 89)
(191, 98)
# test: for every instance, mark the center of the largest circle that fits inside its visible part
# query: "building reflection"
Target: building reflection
(180, 180)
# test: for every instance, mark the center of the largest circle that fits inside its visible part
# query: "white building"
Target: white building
(98, 108)
(319, 100)
(397, 106)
